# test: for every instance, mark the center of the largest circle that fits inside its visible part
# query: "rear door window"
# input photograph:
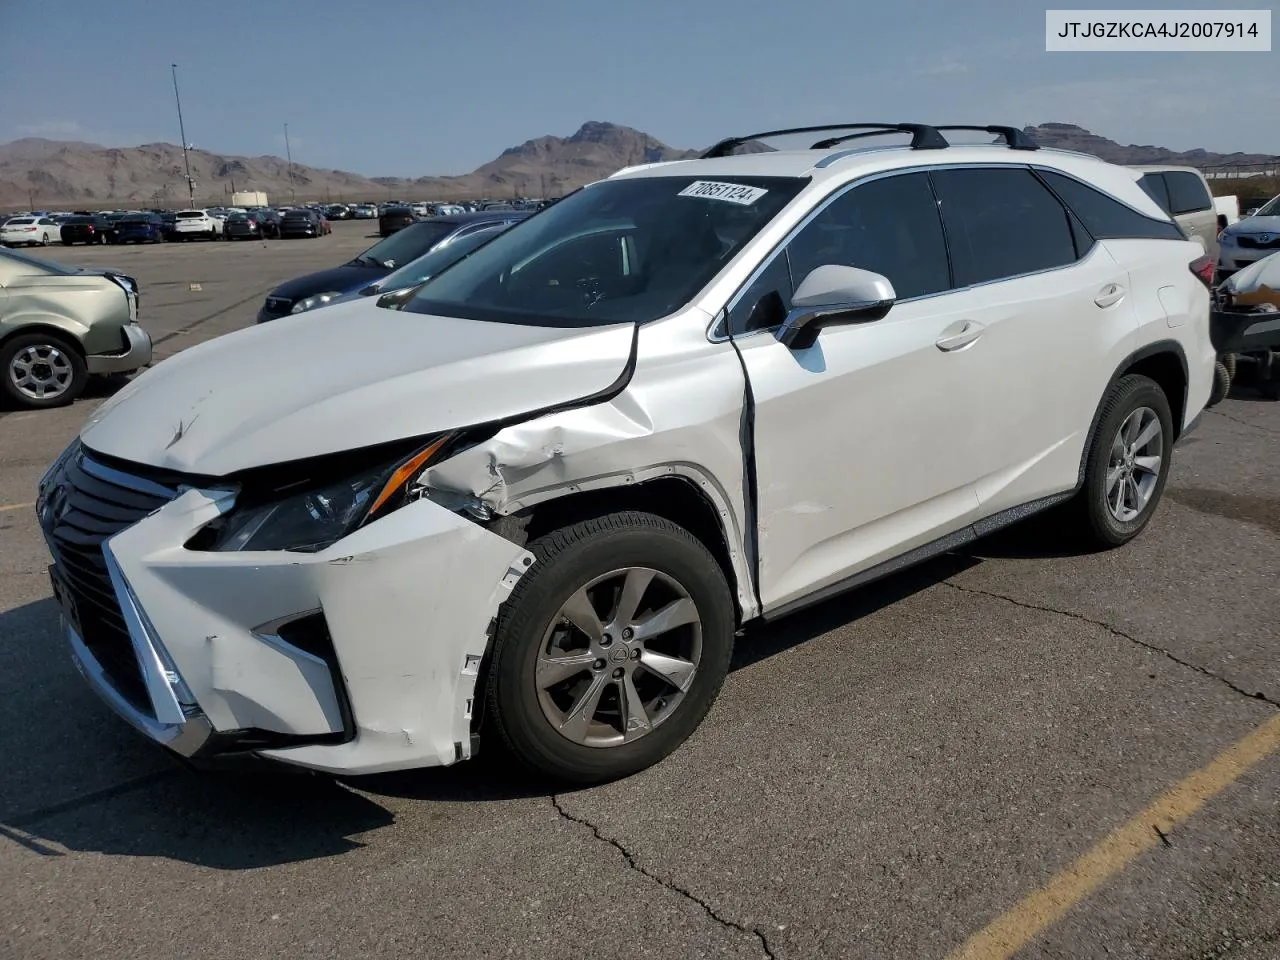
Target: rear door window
(1001, 223)
(1187, 192)
(1157, 190)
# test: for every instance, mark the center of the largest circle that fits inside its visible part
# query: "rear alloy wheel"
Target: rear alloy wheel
(611, 649)
(1128, 462)
(44, 239)
(41, 370)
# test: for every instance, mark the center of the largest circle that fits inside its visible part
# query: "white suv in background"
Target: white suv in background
(197, 224)
(563, 474)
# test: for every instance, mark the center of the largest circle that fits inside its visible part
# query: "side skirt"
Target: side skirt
(965, 535)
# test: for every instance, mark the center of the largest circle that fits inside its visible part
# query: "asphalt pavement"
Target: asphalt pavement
(1017, 750)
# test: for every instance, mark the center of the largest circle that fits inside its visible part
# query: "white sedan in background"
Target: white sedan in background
(29, 230)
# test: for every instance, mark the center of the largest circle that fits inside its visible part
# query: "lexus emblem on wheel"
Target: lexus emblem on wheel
(1264, 238)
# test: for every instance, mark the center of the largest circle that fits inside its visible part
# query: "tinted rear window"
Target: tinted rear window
(19, 221)
(1187, 192)
(189, 215)
(1105, 217)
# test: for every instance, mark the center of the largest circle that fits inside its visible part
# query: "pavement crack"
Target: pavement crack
(1241, 421)
(1152, 647)
(631, 862)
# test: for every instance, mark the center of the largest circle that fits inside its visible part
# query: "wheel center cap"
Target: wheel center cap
(619, 655)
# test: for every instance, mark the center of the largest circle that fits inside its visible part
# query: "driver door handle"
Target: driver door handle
(959, 335)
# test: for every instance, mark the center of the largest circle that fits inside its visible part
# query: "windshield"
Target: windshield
(627, 250)
(430, 264)
(1269, 209)
(405, 245)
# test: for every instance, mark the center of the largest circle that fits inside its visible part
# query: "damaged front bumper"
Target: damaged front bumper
(136, 353)
(357, 659)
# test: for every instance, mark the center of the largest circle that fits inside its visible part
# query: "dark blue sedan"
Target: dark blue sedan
(317, 289)
(139, 228)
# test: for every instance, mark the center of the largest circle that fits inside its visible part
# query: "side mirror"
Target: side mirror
(397, 298)
(834, 294)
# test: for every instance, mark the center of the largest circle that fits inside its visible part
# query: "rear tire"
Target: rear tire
(1221, 384)
(675, 579)
(1128, 463)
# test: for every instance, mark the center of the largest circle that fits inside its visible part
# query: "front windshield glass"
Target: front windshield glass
(1269, 209)
(430, 264)
(627, 250)
(405, 245)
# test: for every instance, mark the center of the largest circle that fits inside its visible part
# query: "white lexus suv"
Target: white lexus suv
(197, 224)
(531, 506)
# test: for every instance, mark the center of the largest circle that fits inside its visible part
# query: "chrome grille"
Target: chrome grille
(1259, 241)
(89, 503)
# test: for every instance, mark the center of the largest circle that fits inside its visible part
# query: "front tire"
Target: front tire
(611, 648)
(39, 370)
(1128, 462)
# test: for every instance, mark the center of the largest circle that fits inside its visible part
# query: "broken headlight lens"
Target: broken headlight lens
(314, 519)
(305, 521)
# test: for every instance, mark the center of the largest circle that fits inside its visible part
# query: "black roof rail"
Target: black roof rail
(1014, 138)
(923, 136)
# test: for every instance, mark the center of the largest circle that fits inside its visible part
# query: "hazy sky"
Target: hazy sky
(393, 87)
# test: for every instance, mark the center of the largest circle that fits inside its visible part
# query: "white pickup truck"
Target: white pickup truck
(197, 224)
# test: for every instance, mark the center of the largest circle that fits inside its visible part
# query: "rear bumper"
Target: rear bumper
(137, 353)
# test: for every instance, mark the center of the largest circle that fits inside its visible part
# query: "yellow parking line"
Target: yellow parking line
(5, 508)
(1013, 930)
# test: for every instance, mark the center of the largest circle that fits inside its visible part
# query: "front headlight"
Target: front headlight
(319, 300)
(311, 520)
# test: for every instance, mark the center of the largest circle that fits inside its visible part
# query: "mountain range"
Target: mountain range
(50, 173)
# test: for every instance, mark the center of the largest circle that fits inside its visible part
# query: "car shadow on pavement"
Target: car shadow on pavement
(128, 798)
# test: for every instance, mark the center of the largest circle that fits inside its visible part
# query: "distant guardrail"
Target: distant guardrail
(1241, 171)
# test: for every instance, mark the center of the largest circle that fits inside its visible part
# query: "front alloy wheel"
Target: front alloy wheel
(611, 648)
(613, 678)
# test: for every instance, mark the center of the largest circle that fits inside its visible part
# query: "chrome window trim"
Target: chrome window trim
(717, 330)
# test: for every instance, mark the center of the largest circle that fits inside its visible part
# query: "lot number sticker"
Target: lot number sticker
(729, 192)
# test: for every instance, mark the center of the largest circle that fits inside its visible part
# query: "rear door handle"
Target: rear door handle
(959, 335)
(1110, 295)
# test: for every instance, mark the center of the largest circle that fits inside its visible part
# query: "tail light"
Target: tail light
(1203, 268)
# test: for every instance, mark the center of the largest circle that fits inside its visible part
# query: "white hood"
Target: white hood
(342, 377)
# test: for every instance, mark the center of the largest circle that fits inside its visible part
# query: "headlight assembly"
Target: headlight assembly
(319, 300)
(313, 519)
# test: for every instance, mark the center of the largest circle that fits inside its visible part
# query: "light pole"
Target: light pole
(186, 161)
(293, 195)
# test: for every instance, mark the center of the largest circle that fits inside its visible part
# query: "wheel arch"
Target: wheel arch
(64, 330)
(1165, 362)
(677, 493)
